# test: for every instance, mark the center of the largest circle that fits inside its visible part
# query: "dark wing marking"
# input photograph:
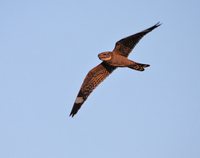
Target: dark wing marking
(92, 80)
(126, 45)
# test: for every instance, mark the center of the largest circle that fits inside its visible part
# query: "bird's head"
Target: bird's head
(105, 56)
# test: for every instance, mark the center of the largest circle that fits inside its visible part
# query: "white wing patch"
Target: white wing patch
(79, 100)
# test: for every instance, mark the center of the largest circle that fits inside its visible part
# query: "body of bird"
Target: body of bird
(110, 61)
(115, 59)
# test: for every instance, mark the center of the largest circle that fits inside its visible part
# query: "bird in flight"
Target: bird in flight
(110, 61)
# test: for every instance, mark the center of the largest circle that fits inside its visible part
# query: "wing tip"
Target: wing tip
(71, 115)
(152, 27)
(80, 99)
(73, 112)
(155, 26)
(158, 24)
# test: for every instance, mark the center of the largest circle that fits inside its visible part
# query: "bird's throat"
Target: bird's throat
(106, 59)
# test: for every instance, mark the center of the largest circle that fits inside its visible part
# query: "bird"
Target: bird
(111, 60)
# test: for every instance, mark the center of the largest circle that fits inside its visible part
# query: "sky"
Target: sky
(46, 49)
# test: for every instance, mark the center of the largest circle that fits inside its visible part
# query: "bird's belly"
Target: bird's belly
(121, 62)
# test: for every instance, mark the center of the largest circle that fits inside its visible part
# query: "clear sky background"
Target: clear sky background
(46, 49)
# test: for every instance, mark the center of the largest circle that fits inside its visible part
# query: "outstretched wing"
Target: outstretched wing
(91, 81)
(126, 45)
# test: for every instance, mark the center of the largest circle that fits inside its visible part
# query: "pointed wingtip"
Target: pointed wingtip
(71, 115)
(158, 24)
(152, 27)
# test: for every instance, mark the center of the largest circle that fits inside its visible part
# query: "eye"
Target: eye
(107, 55)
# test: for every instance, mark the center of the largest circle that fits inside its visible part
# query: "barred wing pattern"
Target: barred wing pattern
(92, 80)
(126, 45)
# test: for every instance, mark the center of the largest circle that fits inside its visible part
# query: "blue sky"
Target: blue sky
(47, 48)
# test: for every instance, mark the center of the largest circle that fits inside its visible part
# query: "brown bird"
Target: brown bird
(110, 61)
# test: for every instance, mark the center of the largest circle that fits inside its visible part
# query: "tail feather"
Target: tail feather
(139, 66)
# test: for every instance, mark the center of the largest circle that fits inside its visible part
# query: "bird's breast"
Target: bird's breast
(119, 61)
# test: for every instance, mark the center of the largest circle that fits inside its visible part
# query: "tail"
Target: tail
(138, 66)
